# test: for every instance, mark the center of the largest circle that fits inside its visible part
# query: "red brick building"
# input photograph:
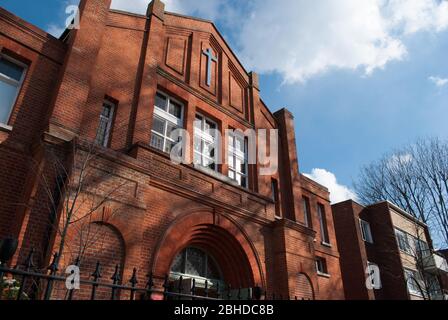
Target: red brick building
(121, 82)
(383, 235)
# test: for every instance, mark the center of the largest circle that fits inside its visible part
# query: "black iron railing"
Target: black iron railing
(27, 282)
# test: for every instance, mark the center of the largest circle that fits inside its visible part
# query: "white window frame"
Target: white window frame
(407, 250)
(306, 211)
(424, 252)
(323, 224)
(164, 115)
(109, 122)
(233, 152)
(205, 138)
(321, 262)
(415, 278)
(366, 237)
(17, 84)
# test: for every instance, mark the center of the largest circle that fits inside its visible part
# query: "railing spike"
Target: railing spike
(193, 287)
(134, 279)
(116, 276)
(97, 273)
(53, 267)
(206, 288)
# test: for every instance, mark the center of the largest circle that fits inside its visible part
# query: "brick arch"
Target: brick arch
(304, 287)
(107, 246)
(218, 236)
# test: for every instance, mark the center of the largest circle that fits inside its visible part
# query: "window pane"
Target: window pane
(170, 128)
(195, 262)
(231, 174)
(10, 69)
(198, 122)
(102, 131)
(178, 263)
(238, 164)
(209, 149)
(209, 125)
(243, 181)
(197, 159)
(158, 125)
(156, 141)
(242, 166)
(212, 269)
(231, 162)
(240, 144)
(175, 109)
(231, 141)
(197, 144)
(169, 145)
(161, 101)
(107, 110)
(7, 96)
(323, 223)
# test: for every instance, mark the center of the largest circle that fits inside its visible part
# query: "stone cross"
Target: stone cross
(210, 60)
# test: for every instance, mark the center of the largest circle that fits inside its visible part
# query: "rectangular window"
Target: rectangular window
(421, 248)
(321, 265)
(365, 231)
(403, 241)
(205, 142)
(168, 116)
(275, 198)
(237, 152)
(323, 224)
(307, 212)
(105, 124)
(12, 74)
(413, 281)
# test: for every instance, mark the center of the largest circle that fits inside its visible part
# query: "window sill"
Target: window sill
(326, 244)
(217, 175)
(323, 275)
(5, 127)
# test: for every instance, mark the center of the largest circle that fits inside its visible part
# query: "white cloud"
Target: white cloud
(210, 9)
(55, 30)
(440, 82)
(300, 39)
(338, 192)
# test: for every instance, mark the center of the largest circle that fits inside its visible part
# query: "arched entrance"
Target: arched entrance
(194, 263)
(207, 238)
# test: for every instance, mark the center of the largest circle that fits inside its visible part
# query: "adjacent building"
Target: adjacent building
(116, 87)
(386, 254)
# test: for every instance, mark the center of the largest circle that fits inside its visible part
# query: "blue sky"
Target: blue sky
(367, 92)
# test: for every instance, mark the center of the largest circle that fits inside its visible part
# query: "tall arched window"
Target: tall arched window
(194, 263)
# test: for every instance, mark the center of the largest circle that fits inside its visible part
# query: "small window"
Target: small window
(323, 224)
(168, 116)
(307, 212)
(421, 247)
(11, 77)
(321, 266)
(238, 159)
(275, 197)
(105, 124)
(403, 241)
(413, 281)
(365, 231)
(205, 146)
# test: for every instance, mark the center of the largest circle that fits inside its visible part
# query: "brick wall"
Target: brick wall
(161, 207)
